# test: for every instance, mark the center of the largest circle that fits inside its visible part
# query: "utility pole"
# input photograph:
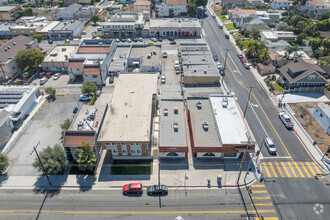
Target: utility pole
(326, 152)
(247, 101)
(43, 168)
(244, 156)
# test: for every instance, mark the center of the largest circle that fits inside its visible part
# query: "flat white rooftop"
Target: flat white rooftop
(128, 117)
(61, 53)
(228, 119)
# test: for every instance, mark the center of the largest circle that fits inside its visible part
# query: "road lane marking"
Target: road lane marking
(286, 170)
(266, 168)
(302, 175)
(259, 191)
(302, 165)
(279, 169)
(294, 173)
(263, 204)
(271, 167)
(309, 166)
(138, 212)
(271, 124)
(317, 169)
(266, 218)
(258, 186)
(262, 126)
(260, 197)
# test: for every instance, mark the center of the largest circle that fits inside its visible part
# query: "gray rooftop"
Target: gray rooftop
(72, 9)
(168, 135)
(203, 138)
(67, 26)
(142, 52)
(119, 58)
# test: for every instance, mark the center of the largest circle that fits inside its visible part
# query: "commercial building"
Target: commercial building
(277, 35)
(119, 60)
(198, 65)
(218, 128)
(126, 131)
(57, 59)
(44, 31)
(171, 8)
(84, 129)
(173, 140)
(28, 28)
(70, 12)
(15, 103)
(144, 59)
(5, 32)
(8, 51)
(66, 30)
(9, 12)
(175, 27)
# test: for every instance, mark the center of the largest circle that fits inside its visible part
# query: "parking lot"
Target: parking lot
(44, 127)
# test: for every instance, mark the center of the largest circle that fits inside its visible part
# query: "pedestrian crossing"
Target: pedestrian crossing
(260, 199)
(289, 169)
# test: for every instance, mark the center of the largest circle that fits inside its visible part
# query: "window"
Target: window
(124, 151)
(78, 69)
(133, 151)
(321, 115)
(111, 144)
(13, 68)
(123, 144)
(114, 152)
(94, 76)
(311, 77)
(138, 151)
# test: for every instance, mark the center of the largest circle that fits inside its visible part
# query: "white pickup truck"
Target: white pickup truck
(286, 120)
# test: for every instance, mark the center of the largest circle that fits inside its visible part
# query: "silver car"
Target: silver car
(270, 146)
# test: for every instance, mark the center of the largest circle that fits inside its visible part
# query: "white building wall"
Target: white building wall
(93, 78)
(279, 5)
(322, 119)
(201, 155)
(78, 29)
(73, 72)
(165, 155)
(163, 10)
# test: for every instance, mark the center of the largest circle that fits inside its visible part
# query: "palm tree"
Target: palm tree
(264, 55)
(291, 50)
(255, 34)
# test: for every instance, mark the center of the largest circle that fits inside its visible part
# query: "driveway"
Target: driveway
(44, 127)
(303, 97)
(168, 67)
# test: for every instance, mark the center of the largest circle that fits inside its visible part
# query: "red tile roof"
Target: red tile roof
(76, 63)
(142, 2)
(234, 12)
(176, 2)
(94, 50)
(75, 139)
(91, 70)
(316, 3)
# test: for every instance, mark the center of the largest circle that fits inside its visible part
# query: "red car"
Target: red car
(172, 42)
(49, 74)
(41, 74)
(243, 60)
(133, 188)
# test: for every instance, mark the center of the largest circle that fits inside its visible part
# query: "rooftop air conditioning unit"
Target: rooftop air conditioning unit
(205, 126)
(224, 102)
(199, 105)
(175, 127)
(176, 110)
(165, 112)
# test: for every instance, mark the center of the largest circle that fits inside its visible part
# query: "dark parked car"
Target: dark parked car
(172, 42)
(215, 57)
(75, 110)
(240, 56)
(160, 39)
(50, 41)
(157, 189)
(227, 36)
(111, 79)
(134, 39)
(171, 38)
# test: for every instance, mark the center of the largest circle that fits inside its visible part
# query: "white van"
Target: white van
(270, 146)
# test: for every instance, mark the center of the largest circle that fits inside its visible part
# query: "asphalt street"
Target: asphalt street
(112, 204)
(261, 114)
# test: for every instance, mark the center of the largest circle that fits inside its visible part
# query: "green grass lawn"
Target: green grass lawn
(234, 33)
(132, 167)
(230, 26)
(223, 18)
(115, 3)
(278, 87)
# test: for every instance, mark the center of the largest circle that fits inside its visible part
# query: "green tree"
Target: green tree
(37, 37)
(290, 28)
(29, 58)
(60, 3)
(192, 8)
(248, 7)
(315, 43)
(300, 38)
(254, 49)
(255, 34)
(323, 25)
(294, 20)
(325, 44)
(4, 162)
(26, 12)
(89, 88)
(50, 92)
(201, 3)
(95, 18)
(66, 125)
(325, 61)
(264, 55)
(291, 50)
(53, 160)
(325, 16)
(86, 157)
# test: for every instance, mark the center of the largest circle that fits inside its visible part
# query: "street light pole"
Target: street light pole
(247, 101)
(43, 168)
(326, 152)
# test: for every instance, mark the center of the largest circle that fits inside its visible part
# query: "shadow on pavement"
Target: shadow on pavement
(3, 178)
(133, 194)
(208, 163)
(42, 186)
(85, 182)
(174, 164)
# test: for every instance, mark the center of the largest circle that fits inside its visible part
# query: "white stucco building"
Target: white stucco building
(322, 115)
(171, 8)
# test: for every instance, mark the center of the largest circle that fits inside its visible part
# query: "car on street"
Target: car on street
(164, 54)
(215, 57)
(158, 75)
(67, 41)
(129, 40)
(172, 43)
(246, 65)
(111, 79)
(177, 70)
(123, 40)
(219, 65)
(117, 40)
(56, 76)
(43, 81)
(270, 146)
(41, 74)
(83, 33)
(140, 39)
(160, 39)
(176, 64)
(85, 97)
(136, 188)
(48, 75)
(157, 189)
(153, 39)
(226, 36)
(163, 80)
(75, 110)
(171, 38)
(243, 61)
(134, 39)
(50, 41)
(240, 56)
(220, 26)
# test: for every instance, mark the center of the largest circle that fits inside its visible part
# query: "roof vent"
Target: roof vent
(205, 72)
(14, 43)
(63, 49)
(8, 47)
(80, 125)
(199, 105)
(176, 110)
(225, 102)
(176, 127)
(165, 112)
(205, 125)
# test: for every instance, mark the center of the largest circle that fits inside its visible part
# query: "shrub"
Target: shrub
(92, 102)
(4, 162)
(273, 77)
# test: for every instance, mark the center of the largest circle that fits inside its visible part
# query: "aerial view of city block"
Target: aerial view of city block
(165, 109)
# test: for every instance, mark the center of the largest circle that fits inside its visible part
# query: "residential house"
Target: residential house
(173, 133)
(265, 69)
(253, 17)
(197, 64)
(142, 5)
(313, 9)
(9, 12)
(123, 24)
(212, 123)
(66, 30)
(249, 27)
(84, 129)
(171, 8)
(322, 115)
(277, 35)
(5, 32)
(163, 27)
(69, 13)
(277, 45)
(281, 4)
(70, 2)
(57, 59)
(127, 128)
(8, 51)
(300, 76)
